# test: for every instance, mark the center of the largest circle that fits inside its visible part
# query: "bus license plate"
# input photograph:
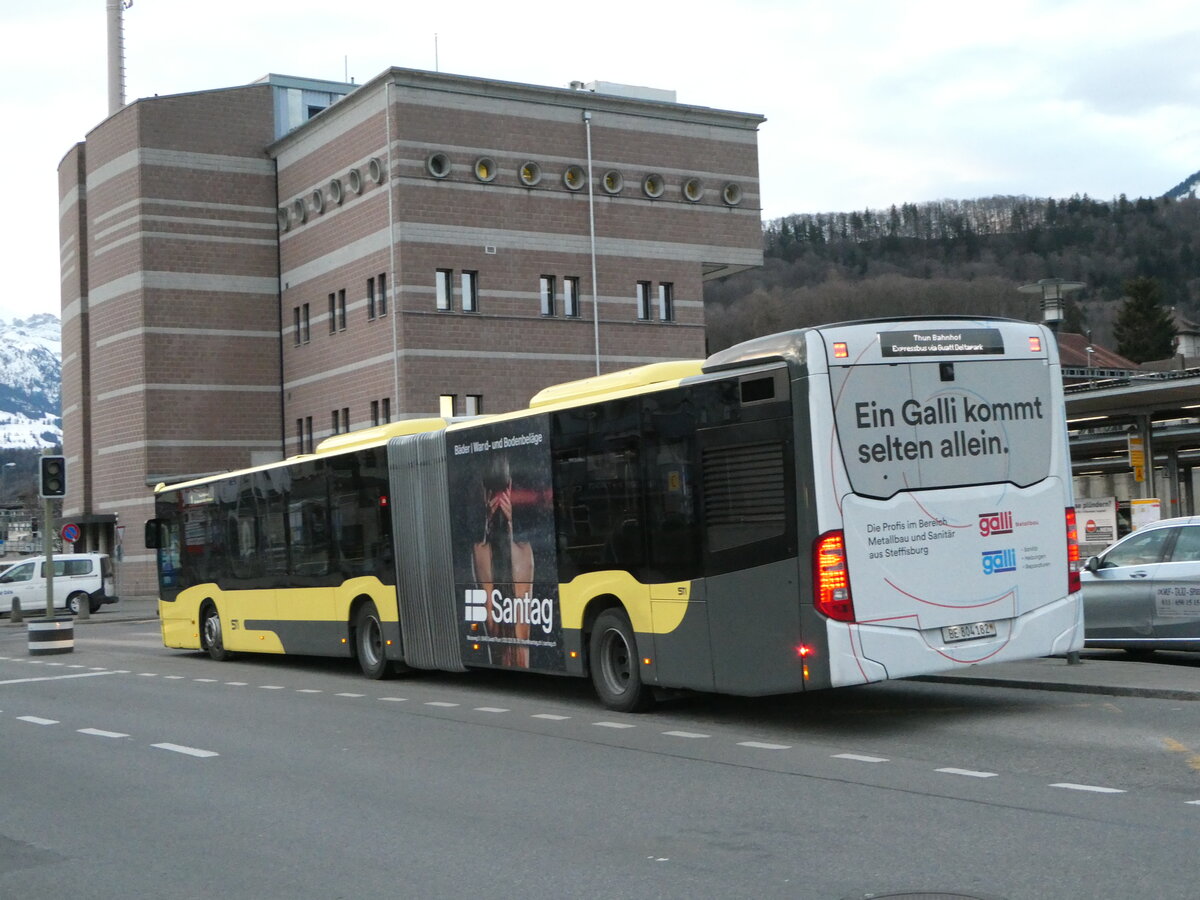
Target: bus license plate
(952, 633)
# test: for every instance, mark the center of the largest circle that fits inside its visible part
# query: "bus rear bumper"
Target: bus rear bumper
(862, 653)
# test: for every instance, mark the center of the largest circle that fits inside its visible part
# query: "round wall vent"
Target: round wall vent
(375, 169)
(485, 168)
(653, 186)
(574, 178)
(531, 174)
(613, 182)
(693, 190)
(299, 212)
(354, 181)
(335, 191)
(437, 165)
(732, 194)
(317, 200)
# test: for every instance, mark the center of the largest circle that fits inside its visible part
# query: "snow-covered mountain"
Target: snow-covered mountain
(30, 382)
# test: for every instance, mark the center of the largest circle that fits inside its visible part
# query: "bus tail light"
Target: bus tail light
(831, 577)
(1073, 563)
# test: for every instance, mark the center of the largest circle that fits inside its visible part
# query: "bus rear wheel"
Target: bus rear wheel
(613, 661)
(368, 642)
(211, 638)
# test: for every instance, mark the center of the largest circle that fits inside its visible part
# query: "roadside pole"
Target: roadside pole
(48, 552)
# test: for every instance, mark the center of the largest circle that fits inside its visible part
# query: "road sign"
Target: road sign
(70, 532)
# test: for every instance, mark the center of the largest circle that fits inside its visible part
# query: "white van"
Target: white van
(78, 578)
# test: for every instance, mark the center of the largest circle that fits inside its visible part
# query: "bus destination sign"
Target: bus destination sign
(942, 342)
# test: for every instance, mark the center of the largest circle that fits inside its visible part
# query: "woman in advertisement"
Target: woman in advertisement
(503, 565)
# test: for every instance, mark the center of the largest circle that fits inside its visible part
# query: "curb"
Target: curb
(1062, 687)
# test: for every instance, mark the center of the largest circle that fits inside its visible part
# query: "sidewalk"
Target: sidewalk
(1175, 677)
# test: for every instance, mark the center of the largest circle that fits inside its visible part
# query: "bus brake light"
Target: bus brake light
(831, 588)
(840, 350)
(1035, 345)
(1073, 563)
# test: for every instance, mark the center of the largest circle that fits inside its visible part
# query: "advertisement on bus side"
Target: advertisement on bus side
(505, 561)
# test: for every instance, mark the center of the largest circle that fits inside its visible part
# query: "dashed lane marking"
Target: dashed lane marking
(686, 734)
(613, 725)
(442, 703)
(1093, 788)
(187, 751)
(492, 709)
(56, 677)
(858, 757)
(762, 745)
(97, 732)
(969, 773)
(549, 716)
(37, 720)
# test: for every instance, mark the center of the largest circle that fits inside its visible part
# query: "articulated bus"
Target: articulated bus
(829, 506)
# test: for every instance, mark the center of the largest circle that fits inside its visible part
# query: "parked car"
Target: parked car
(1143, 593)
(78, 578)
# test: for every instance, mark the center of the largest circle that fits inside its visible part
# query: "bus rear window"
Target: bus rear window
(914, 426)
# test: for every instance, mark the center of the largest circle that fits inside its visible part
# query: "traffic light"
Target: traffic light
(53, 482)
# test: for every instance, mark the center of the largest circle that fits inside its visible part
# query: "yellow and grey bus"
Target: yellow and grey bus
(829, 506)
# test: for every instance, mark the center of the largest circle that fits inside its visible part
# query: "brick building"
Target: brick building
(246, 271)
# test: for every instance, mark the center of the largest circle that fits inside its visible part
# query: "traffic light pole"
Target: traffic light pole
(48, 552)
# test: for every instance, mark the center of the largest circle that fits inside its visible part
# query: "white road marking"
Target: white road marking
(613, 725)
(550, 716)
(686, 734)
(271, 687)
(759, 745)
(858, 757)
(394, 699)
(348, 695)
(189, 751)
(98, 733)
(205, 680)
(491, 709)
(439, 703)
(969, 773)
(309, 691)
(54, 677)
(173, 677)
(37, 720)
(147, 674)
(236, 683)
(1093, 788)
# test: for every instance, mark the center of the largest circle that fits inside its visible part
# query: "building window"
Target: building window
(383, 294)
(304, 322)
(386, 412)
(335, 420)
(666, 301)
(571, 296)
(446, 405)
(300, 435)
(470, 291)
(370, 298)
(444, 288)
(474, 404)
(308, 435)
(547, 293)
(341, 309)
(374, 413)
(643, 300)
(345, 418)
(296, 325)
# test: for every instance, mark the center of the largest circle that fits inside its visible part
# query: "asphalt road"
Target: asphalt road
(132, 770)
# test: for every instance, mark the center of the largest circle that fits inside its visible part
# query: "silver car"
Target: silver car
(1143, 593)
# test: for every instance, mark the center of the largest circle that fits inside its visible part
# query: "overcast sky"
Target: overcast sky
(868, 102)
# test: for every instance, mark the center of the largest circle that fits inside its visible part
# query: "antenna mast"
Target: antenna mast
(116, 53)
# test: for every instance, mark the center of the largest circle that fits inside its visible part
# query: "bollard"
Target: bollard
(15, 613)
(49, 636)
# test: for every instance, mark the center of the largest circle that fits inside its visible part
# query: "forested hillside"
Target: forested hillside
(961, 257)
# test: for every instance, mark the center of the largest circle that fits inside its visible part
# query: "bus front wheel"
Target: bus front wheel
(368, 642)
(613, 660)
(211, 638)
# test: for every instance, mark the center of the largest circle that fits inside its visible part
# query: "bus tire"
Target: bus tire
(211, 636)
(613, 662)
(368, 642)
